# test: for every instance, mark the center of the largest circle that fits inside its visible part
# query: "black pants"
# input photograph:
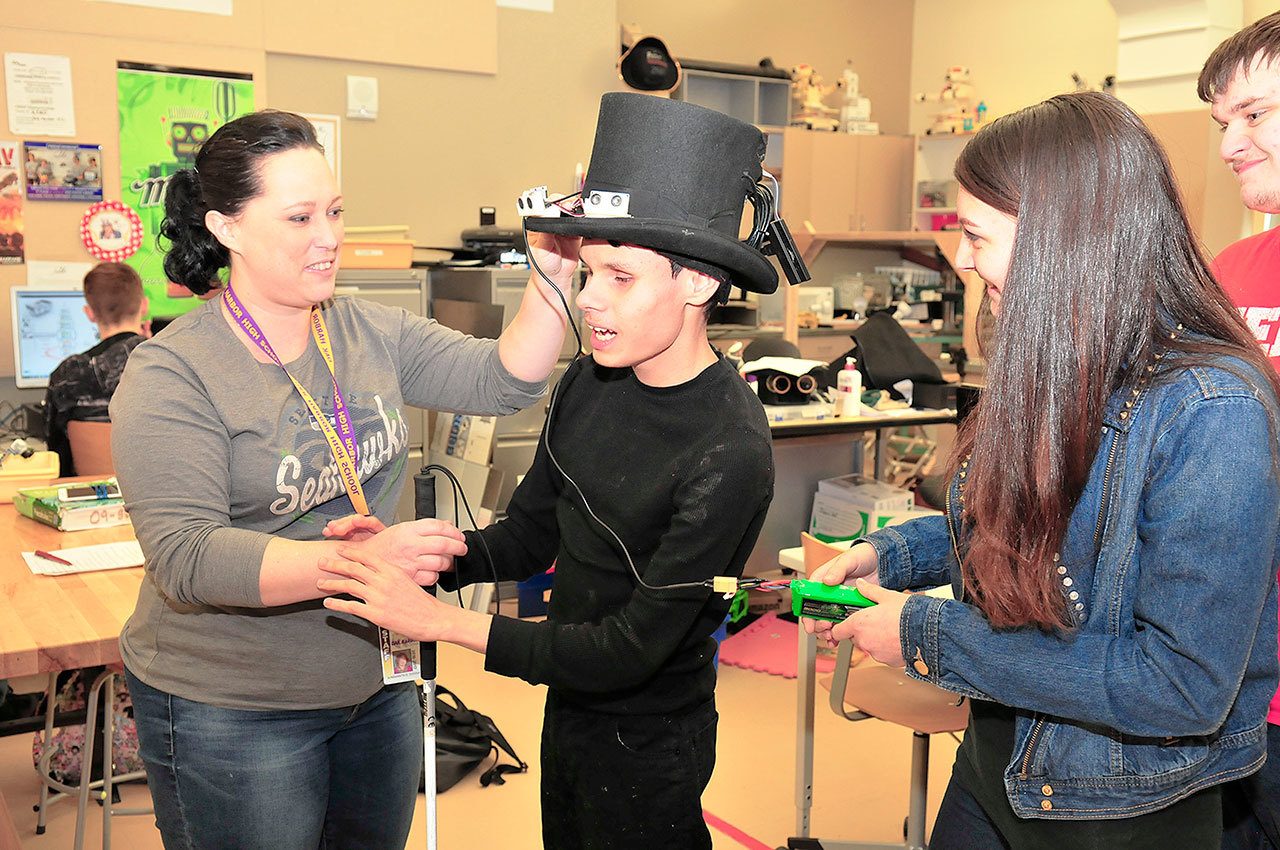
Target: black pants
(623, 782)
(1189, 824)
(1251, 806)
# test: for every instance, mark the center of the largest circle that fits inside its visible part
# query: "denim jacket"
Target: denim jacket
(1169, 568)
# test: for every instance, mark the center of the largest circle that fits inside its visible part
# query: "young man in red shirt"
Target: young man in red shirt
(1241, 81)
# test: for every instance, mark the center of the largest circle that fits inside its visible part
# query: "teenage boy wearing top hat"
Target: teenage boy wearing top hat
(658, 436)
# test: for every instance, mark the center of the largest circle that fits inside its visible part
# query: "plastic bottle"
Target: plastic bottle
(849, 389)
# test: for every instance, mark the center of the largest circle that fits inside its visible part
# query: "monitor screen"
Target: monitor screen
(48, 326)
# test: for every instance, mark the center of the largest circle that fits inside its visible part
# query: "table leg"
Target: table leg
(46, 757)
(880, 454)
(807, 654)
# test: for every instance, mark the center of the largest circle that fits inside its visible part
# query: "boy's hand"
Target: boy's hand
(384, 594)
(557, 256)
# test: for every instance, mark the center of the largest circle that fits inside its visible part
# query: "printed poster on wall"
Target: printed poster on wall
(11, 248)
(165, 114)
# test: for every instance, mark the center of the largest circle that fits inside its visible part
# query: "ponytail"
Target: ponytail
(194, 256)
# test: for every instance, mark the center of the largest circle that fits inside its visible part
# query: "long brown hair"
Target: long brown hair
(1104, 266)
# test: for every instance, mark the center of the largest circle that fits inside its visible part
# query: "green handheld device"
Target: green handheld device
(819, 601)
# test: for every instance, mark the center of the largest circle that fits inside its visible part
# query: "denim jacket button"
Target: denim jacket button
(1062, 571)
(919, 664)
(1066, 582)
(1046, 805)
(1047, 790)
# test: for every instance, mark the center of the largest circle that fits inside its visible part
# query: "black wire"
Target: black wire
(484, 547)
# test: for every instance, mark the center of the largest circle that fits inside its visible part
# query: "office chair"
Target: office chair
(91, 447)
(873, 690)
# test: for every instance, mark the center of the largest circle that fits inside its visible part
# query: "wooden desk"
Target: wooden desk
(53, 623)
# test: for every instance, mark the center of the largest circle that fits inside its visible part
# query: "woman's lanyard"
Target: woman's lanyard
(342, 441)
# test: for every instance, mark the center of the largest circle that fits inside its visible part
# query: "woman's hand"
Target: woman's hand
(353, 527)
(422, 549)
(874, 630)
(384, 594)
(859, 562)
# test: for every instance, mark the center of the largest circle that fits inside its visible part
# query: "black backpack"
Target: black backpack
(464, 739)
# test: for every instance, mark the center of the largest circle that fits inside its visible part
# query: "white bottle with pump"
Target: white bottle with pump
(849, 389)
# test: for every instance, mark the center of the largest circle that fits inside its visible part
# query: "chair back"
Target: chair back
(872, 689)
(817, 553)
(91, 447)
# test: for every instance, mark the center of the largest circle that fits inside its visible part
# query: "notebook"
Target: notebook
(84, 559)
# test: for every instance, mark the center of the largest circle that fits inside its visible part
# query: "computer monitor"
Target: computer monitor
(48, 326)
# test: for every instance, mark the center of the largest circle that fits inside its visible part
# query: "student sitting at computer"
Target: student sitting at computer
(82, 385)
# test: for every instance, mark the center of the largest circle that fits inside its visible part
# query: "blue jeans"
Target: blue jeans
(281, 780)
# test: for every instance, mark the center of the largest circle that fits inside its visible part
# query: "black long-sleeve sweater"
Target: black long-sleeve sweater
(684, 475)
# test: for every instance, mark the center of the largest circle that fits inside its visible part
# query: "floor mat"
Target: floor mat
(769, 646)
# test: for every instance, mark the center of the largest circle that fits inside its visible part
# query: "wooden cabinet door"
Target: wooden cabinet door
(882, 187)
(833, 181)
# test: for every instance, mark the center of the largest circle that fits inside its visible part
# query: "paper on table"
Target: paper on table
(84, 559)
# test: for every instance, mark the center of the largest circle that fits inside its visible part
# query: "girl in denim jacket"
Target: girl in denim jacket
(1113, 518)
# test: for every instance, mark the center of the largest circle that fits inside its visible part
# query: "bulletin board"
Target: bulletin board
(52, 229)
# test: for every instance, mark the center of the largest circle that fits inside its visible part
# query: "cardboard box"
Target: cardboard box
(377, 254)
(18, 472)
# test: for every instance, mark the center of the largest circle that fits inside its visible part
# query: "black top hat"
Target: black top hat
(673, 177)
(647, 65)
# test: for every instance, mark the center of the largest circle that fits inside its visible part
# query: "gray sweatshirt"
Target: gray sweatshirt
(216, 453)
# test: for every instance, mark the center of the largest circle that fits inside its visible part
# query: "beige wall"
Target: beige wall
(1019, 51)
(446, 143)
(875, 34)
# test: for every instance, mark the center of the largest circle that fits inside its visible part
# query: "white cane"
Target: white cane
(424, 507)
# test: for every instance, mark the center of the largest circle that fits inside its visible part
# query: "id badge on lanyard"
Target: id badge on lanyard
(401, 661)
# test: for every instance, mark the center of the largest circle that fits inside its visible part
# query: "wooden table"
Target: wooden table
(52, 623)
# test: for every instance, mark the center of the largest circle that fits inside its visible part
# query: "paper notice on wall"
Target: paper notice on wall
(329, 135)
(11, 248)
(39, 91)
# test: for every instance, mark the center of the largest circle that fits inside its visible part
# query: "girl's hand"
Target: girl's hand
(875, 630)
(859, 562)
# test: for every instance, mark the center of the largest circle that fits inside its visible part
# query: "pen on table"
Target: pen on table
(51, 557)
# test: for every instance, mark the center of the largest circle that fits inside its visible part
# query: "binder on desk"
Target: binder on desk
(43, 504)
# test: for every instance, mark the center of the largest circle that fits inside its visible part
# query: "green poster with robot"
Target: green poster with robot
(165, 114)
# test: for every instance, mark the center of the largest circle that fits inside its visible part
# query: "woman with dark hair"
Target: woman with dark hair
(239, 432)
(1113, 517)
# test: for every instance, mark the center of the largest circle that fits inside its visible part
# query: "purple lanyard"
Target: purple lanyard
(321, 334)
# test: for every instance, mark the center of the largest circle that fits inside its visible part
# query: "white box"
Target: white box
(867, 493)
(818, 299)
